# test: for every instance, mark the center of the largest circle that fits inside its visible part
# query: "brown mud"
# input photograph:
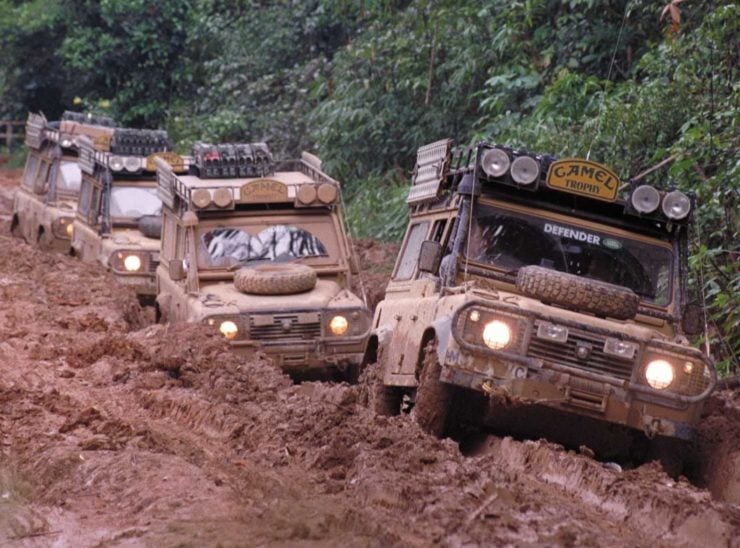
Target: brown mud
(116, 432)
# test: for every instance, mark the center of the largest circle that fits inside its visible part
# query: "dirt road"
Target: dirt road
(116, 432)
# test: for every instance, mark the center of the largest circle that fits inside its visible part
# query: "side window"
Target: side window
(29, 173)
(168, 236)
(40, 185)
(83, 206)
(410, 255)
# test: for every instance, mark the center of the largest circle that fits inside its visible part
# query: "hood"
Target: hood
(224, 298)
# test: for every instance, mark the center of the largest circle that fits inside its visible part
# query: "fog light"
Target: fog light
(228, 329)
(659, 374)
(676, 205)
(552, 332)
(132, 263)
(496, 335)
(620, 349)
(474, 316)
(338, 325)
(495, 162)
(525, 170)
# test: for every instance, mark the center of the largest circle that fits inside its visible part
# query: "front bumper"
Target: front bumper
(145, 285)
(320, 353)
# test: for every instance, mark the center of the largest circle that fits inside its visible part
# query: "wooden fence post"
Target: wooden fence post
(8, 135)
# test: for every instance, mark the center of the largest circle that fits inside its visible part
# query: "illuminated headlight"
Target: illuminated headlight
(620, 349)
(338, 325)
(132, 263)
(496, 335)
(63, 227)
(676, 205)
(66, 143)
(659, 374)
(645, 199)
(228, 329)
(115, 163)
(552, 332)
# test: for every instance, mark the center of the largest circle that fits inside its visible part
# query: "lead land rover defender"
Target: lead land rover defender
(259, 251)
(118, 220)
(542, 281)
(44, 206)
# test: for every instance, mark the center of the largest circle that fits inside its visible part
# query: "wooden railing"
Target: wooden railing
(9, 132)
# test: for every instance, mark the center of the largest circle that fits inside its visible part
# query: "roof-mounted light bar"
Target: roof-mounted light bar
(646, 199)
(231, 160)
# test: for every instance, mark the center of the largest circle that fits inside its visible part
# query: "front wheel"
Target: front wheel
(433, 397)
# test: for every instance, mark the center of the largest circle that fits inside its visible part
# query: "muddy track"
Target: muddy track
(116, 432)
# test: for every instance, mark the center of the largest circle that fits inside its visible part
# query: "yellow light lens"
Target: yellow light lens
(338, 325)
(496, 335)
(69, 229)
(228, 329)
(659, 374)
(132, 263)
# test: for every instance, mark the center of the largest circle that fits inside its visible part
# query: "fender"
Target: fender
(443, 328)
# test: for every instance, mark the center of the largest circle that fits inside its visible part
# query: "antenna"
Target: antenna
(608, 78)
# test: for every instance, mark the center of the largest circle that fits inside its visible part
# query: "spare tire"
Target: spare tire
(275, 279)
(577, 293)
(151, 226)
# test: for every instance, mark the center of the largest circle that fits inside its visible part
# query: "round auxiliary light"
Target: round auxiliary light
(676, 205)
(645, 199)
(228, 329)
(66, 143)
(201, 198)
(69, 229)
(132, 263)
(327, 193)
(115, 163)
(222, 197)
(495, 162)
(131, 163)
(306, 194)
(525, 170)
(659, 374)
(496, 335)
(338, 325)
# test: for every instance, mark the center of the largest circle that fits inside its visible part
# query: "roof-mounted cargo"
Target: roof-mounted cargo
(151, 144)
(230, 160)
(138, 142)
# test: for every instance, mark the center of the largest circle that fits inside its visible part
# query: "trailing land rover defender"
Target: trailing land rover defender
(118, 221)
(258, 249)
(532, 280)
(45, 203)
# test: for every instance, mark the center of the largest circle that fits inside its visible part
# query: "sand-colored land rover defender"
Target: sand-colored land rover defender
(545, 282)
(118, 221)
(45, 203)
(258, 249)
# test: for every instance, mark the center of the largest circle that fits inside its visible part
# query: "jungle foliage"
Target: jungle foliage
(365, 82)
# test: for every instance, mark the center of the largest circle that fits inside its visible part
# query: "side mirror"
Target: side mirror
(177, 270)
(430, 255)
(692, 319)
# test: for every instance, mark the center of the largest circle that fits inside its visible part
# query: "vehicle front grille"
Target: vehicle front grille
(152, 266)
(284, 327)
(565, 354)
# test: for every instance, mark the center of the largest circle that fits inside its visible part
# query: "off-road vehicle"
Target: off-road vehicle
(532, 280)
(118, 221)
(44, 206)
(258, 249)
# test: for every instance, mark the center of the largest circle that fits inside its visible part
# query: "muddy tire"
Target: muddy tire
(577, 293)
(386, 400)
(275, 279)
(433, 397)
(671, 453)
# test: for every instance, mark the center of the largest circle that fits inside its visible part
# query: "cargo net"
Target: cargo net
(138, 142)
(82, 118)
(232, 160)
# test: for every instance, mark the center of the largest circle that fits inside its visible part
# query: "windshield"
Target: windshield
(69, 178)
(227, 247)
(509, 240)
(134, 201)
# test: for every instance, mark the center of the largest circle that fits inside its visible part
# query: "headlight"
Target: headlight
(62, 227)
(70, 228)
(228, 329)
(659, 374)
(338, 325)
(496, 335)
(132, 263)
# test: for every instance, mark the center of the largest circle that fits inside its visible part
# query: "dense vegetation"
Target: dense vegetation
(364, 83)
